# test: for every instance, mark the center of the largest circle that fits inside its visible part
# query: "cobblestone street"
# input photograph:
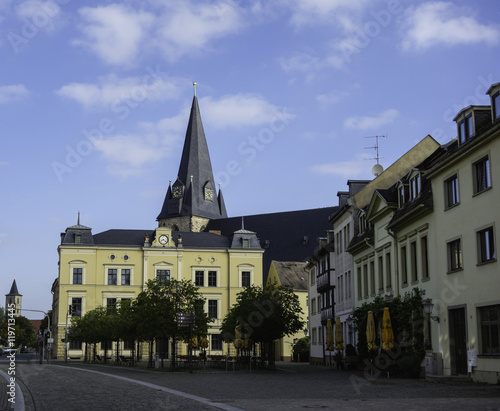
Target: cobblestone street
(292, 387)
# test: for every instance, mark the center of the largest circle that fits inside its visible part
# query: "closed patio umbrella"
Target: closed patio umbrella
(370, 332)
(387, 333)
(329, 335)
(339, 337)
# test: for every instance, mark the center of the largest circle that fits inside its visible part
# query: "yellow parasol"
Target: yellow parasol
(370, 332)
(387, 333)
(238, 342)
(329, 335)
(339, 337)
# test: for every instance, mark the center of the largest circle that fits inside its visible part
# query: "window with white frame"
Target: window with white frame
(451, 191)
(162, 276)
(413, 261)
(77, 271)
(216, 342)
(213, 309)
(380, 273)
(486, 245)
(112, 276)
(77, 275)
(76, 306)
(482, 176)
(125, 276)
(199, 278)
(313, 306)
(415, 186)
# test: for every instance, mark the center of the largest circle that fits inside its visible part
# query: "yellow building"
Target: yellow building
(292, 274)
(101, 269)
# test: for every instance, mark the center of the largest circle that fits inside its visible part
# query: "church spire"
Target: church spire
(193, 194)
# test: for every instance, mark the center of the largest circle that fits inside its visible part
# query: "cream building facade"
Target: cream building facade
(102, 269)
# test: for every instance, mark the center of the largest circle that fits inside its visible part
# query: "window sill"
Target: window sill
(452, 206)
(455, 271)
(426, 279)
(494, 260)
(482, 191)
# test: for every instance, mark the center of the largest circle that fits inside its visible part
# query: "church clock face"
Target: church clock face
(177, 191)
(209, 194)
(163, 239)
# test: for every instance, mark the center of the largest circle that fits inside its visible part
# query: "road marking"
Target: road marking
(205, 401)
(19, 404)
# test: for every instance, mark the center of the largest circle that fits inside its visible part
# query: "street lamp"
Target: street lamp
(350, 321)
(428, 306)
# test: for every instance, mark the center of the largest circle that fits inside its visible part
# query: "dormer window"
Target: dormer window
(415, 186)
(465, 129)
(362, 223)
(495, 98)
(402, 194)
(78, 239)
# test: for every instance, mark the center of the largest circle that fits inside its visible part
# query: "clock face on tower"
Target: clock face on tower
(209, 194)
(177, 191)
(163, 239)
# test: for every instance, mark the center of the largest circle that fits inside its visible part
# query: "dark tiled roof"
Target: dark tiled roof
(421, 204)
(285, 236)
(13, 289)
(136, 238)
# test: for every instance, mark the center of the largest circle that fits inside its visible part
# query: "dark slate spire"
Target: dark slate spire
(13, 290)
(194, 193)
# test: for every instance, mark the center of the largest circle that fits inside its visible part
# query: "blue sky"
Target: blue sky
(94, 103)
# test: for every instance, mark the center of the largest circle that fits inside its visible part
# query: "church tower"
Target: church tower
(191, 202)
(14, 298)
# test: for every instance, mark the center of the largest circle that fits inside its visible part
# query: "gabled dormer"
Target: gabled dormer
(415, 184)
(494, 93)
(470, 120)
(403, 192)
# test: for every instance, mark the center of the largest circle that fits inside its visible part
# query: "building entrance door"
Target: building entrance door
(458, 341)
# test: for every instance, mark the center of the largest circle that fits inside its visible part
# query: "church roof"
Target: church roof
(13, 289)
(284, 236)
(195, 175)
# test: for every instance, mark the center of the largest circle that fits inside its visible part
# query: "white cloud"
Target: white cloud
(435, 23)
(346, 169)
(118, 34)
(127, 154)
(13, 92)
(188, 28)
(368, 123)
(312, 12)
(115, 33)
(113, 91)
(237, 110)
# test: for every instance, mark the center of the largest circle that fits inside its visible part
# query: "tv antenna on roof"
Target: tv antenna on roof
(377, 168)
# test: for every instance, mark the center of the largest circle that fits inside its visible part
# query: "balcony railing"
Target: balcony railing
(322, 281)
(326, 313)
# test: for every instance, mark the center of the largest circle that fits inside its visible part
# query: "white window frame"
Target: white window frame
(77, 264)
(245, 267)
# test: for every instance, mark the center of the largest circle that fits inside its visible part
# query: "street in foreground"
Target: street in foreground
(75, 386)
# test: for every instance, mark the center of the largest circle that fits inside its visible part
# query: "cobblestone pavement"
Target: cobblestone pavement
(292, 387)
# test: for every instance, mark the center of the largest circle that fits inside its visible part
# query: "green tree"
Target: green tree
(158, 307)
(24, 333)
(264, 315)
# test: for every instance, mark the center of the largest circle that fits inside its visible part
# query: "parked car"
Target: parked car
(8, 350)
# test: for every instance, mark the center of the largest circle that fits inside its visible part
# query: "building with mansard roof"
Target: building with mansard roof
(194, 240)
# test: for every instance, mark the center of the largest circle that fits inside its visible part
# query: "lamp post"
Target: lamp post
(428, 307)
(350, 322)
